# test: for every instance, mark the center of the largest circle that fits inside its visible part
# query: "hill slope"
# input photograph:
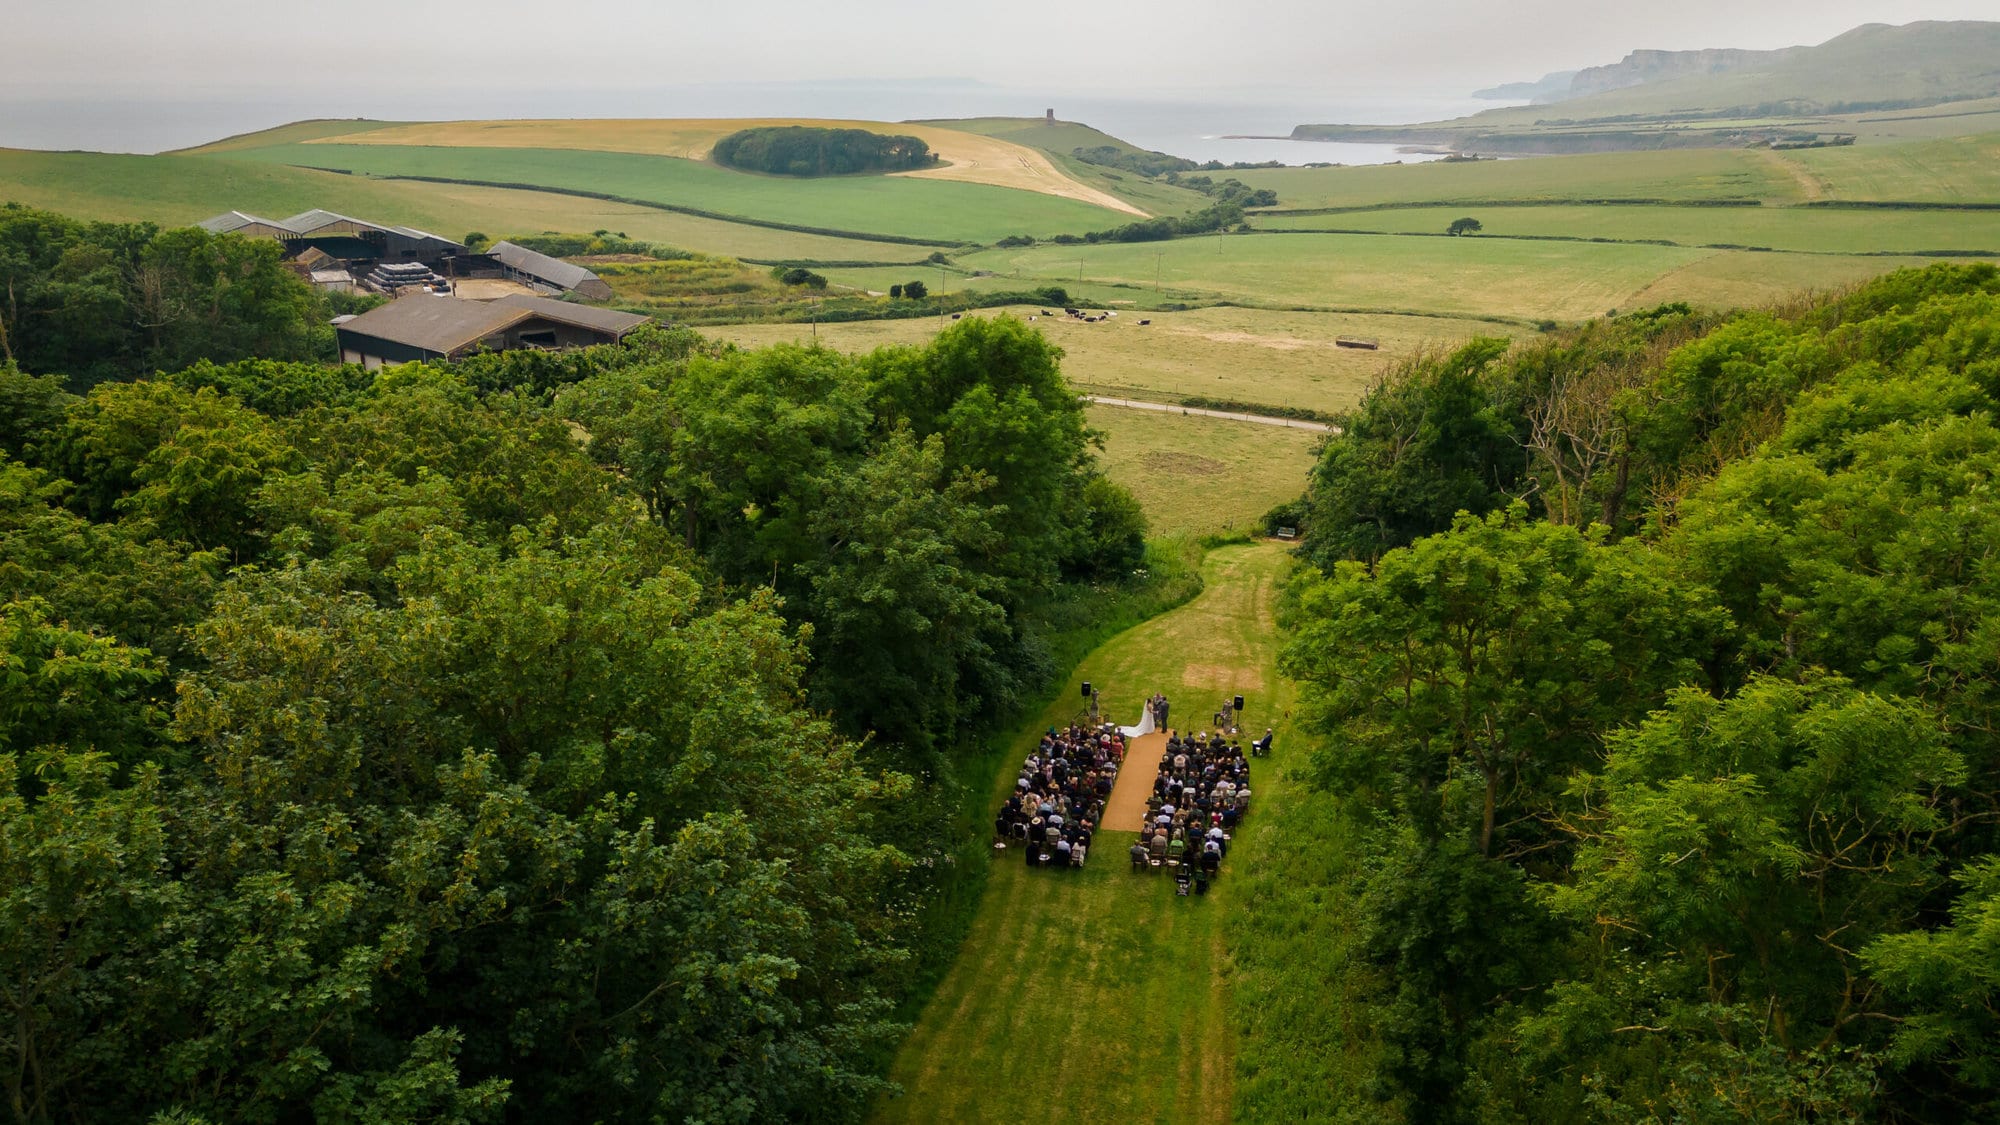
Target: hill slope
(1745, 95)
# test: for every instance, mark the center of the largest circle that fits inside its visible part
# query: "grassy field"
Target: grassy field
(972, 158)
(1808, 229)
(1224, 352)
(1958, 170)
(1099, 995)
(182, 189)
(1063, 138)
(1526, 281)
(886, 205)
(1690, 175)
(1195, 475)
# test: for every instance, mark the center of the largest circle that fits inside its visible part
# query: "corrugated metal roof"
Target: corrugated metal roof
(435, 324)
(446, 324)
(306, 222)
(233, 220)
(552, 270)
(603, 320)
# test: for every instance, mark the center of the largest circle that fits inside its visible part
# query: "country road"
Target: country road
(1171, 408)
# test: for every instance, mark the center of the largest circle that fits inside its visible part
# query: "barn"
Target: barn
(421, 327)
(540, 271)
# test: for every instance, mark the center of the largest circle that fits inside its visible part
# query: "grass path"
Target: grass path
(1100, 996)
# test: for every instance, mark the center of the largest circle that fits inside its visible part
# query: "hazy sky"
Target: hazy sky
(198, 47)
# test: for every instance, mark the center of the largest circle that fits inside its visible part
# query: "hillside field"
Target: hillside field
(937, 210)
(1513, 280)
(178, 190)
(966, 157)
(1802, 229)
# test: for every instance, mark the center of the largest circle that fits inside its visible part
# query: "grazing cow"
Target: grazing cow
(1145, 322)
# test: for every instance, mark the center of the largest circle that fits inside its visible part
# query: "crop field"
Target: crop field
(1805, 229)
(1961, 170)
(871, 205)
(969, 157)
(1242, 355)
(1099, 994)
(181, 189)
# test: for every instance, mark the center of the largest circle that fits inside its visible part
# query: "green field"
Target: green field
(1958, 170)
(1100, 996)
(1224, 352)
(1520, 280)
(1805, 229)
(899, 206)
(1690, 175)
(185, 189)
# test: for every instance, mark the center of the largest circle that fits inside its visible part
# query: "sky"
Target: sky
(431, 58)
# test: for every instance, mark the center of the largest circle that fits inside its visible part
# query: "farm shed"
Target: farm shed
(540, 270)
(421, 326)
(340, 236)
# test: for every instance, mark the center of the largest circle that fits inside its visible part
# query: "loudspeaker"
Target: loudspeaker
(1086, 689)
(1239, 703)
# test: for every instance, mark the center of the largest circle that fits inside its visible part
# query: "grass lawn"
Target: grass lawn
(893, 205)
(177, 190)
(1224, 352)
(1100, 996)
(1785, 228)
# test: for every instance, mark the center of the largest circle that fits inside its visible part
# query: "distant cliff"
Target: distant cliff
(1551, 88)
(1642, 67)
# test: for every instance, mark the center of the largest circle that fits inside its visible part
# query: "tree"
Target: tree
(895, 292)
(1464, 226)
(915, 290)
(475, 241)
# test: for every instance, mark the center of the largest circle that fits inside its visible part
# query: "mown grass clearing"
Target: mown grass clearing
(175, 190)
(879, 205)
(968, 157)
(1224, 352)
(1814, 229)
(1099, 994)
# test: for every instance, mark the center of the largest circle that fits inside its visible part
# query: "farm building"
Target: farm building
(341, 236)
(420, 327)
(550, 274)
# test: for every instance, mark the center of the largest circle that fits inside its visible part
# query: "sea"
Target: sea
(1231, 127)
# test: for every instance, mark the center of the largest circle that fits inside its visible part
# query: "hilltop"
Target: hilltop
(1731, 98)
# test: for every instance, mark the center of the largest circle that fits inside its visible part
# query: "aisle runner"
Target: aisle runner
(1126, 810)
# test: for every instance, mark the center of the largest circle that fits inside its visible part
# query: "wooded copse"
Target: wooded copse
(98, 301)
(541, 736)
(1657, 669)
(802, 150)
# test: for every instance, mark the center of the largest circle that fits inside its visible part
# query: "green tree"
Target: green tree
(1464, 226)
